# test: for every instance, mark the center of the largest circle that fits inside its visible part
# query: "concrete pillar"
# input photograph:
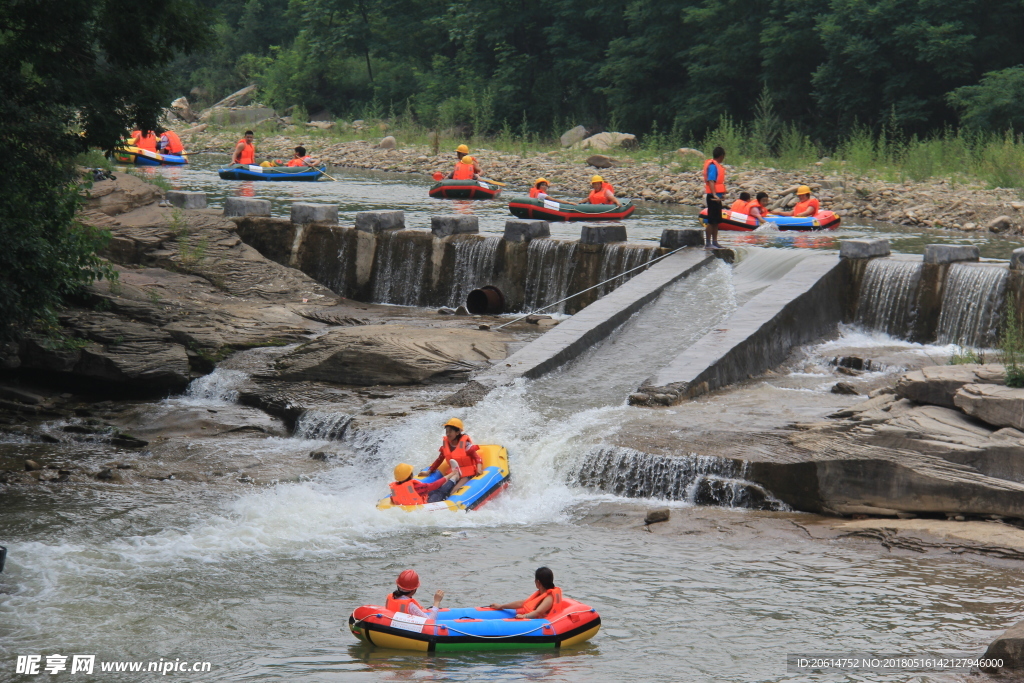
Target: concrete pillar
(603, 233)
(444, 226)
(674, 238)
(246, 206)
(522, 230)
(186, 200)
(1017, 259)
(314, 213)
(379, 221)
(864, 248)
(950, 253)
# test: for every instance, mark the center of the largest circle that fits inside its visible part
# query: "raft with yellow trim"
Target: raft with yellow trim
(478, 491)
(143, 157)
(475, 628)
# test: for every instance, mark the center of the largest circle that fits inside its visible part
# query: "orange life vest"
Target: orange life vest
(803, 206)
(531, 602)
(174, 145)
(719, 186)
(401, 604)
(740, 206)
(599, 196)
(301, 161)
(405, 493)
(145, 140)
(535, 192)
(248, 155)
(463, 171)
(467, 468)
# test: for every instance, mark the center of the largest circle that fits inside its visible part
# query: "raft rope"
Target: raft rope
(476, 635)
(584, 291)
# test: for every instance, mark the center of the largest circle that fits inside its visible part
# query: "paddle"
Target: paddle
(321, 172)
(493, 182)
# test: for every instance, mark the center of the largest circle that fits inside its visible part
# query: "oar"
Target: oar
(322, 172)
(493, 182)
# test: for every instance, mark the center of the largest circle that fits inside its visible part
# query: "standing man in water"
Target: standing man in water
(714, 191)
(245, 150)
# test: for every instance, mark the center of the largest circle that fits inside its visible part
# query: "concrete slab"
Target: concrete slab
(246, 206)
(314, 213)
(804, 305)
(379, 221)
(866, 248)
(523, 230)
(445, 226)
(603, 233)
(674, 238)
(1017, 259)
(595, 322)
(950, 253)
(186, 200)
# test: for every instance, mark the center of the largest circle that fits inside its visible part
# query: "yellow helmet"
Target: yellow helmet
(454, 422)
(403, 471)
(468, 159)
(462, 148)
(803, 189)
(597, 179)
(538, 181)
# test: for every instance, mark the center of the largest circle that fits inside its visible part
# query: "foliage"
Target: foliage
(965, 355)
(994, 104)
(1012, 344)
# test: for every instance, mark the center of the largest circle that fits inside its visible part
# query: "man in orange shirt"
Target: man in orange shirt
(806, 205)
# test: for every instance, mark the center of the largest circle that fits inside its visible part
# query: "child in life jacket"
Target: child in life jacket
(402, 600)
(408, 491)
(544, 599)
(459, 450)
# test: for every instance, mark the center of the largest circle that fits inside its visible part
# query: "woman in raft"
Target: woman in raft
(402, 600)
(546, 597)
(601, 192)
(540, 191)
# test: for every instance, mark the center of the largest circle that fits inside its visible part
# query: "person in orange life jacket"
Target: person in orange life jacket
(541, 602)
(762, 204)
(714, 193)
(601, 192)
(461, 153)
(245, 150)
(408, 491)
(806, 205)
(748, 206)
(145, 139)
(540, 191)
(169, 142)
(402, 600)
(464, 170)
(458, 449)
(300, 158)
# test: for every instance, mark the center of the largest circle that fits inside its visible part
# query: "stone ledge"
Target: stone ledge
(246, 206)
(445, 226)
(186, 200)
(314, 213)
(998, 405)
(522, 230)
(675, 238)
(950, 253)
(379, 221)
(602, 234)
(862, 249)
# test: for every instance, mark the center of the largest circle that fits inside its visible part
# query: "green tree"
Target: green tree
(994, 104)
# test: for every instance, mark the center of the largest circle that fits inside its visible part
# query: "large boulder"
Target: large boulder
(387, 143)
(938, 384)
(607, 140)
(572, 136)
(392, 354)
(601, 161)
(235, 116)
(239, 98)
(995, 404)
(1009, 648)
(121, 194)
(182, 110)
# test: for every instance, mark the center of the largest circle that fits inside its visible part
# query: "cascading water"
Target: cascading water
(620, 258)
(475, 261)
(697, 479)
(322, 425)
(887, 296)
(220, 386)
(549, 268)
(402, 265)
(971, 303)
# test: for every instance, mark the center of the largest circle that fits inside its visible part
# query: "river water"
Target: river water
(260, 580)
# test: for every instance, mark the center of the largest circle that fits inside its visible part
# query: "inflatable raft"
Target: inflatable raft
(733, 220)
(464, 189)
(143, 157)
(480, 489)
(546, 209)
(475, 628)
(254, 172)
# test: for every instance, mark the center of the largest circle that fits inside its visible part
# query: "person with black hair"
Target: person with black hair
(714, 195)
(300, 158)
(548, 596)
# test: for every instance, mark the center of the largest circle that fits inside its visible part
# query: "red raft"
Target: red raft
(549, 210)
(464, 189)
(744, 222)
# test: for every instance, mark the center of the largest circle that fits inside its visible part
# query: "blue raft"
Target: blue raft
(253, 172)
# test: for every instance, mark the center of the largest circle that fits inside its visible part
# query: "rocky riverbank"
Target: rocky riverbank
(933, 203)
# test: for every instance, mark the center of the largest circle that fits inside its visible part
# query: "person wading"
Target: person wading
(714, 194)
(245, 150)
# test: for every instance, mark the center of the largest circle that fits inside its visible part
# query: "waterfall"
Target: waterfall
(402, 265)
(700, 480)
(549, 267)
(220, 386)
(618, 258)
(475, 261)
(321, 425)
(887, 296)
(971, 304)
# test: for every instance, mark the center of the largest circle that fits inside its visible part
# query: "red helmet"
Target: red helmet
(408, 580)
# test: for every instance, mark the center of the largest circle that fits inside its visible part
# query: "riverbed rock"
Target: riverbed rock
(995, 404)
(1000, 224)
(392, 354)
(690, 152)
(1009, 647)
(938, 384)
(238, 98)
(572, 136)
(182, 110)
(607, 140)
(121, 194)
(655, 516)
(601, 161)
(388, 142)
(844, 388)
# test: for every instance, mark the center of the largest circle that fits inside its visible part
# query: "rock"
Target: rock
(246, 206)
(524, 230)
(1000, 224)
(247, 116)
(601, 161)
(445, 226)
(20, 395)
(461, 310)
(639, 399)
(121, 194)
(1017, 259)
(186, 200)
(863, 248)
(32, 466)
(938, 384)
(379, 221)
(323, 116)
(320, 125)
(606, 141)
(446, 311)
(1009, 648)
(655, 516)
(392, 354)
(535, 318)
(388, 143)
(181, 107)
(314, 213)
(195, 129)
(318, 455)
(674, 238)
(110, 474)
(572, 136)
(844, 388)
(603, 233)
(238, 98)
(690, 152)
(998, 405)
(950, 253)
